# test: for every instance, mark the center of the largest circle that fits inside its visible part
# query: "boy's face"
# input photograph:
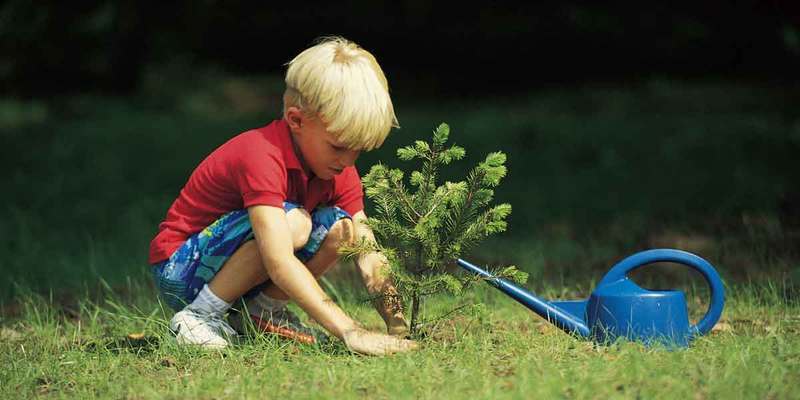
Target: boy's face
(320, 152)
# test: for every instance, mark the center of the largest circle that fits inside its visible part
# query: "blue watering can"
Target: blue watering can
(618, 308)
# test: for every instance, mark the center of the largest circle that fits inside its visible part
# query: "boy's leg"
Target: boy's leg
(326, 257)
(244, 269)
(214, 268)
(331, 228)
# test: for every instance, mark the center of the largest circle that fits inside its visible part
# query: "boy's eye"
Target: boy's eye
(339, 148)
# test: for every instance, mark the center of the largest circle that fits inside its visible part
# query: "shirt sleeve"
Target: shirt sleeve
(260, 178)
(349, 193)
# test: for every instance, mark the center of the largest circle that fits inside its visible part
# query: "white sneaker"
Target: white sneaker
(206, 330)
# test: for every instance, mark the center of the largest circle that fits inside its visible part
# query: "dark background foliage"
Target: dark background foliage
(453, 47)
(627, 124)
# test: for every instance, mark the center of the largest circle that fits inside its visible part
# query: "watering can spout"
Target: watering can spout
(567, 315)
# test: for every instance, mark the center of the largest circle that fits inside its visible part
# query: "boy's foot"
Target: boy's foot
(206, 330)
(283, 323)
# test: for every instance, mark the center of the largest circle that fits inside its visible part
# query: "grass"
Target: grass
(595, 174)
(503, 351)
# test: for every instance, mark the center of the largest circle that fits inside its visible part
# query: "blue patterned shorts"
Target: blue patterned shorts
(183, 275)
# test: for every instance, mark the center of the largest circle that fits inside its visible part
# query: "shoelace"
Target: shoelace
(218, 323)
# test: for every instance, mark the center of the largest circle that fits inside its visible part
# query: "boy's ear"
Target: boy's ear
(294, 117)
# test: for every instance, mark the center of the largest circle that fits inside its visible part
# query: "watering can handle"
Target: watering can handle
(621, 269)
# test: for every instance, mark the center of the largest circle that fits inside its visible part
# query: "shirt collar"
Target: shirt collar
(287, 147)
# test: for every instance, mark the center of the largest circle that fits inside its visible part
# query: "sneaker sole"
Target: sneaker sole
(283, 331)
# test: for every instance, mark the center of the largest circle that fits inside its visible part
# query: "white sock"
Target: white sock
(208, 303)
(262, 304)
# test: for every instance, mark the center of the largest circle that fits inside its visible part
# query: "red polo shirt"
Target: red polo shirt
(257, 167)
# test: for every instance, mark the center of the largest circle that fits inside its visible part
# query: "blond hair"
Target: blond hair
(342, 84)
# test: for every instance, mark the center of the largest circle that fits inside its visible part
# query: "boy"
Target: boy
(293, 188)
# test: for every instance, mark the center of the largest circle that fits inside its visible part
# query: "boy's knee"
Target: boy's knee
(299, 226)
(342, 232)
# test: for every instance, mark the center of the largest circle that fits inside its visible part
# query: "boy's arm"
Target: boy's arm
(271, 230)
(379, 285)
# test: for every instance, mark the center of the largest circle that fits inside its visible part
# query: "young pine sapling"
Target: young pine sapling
(424, 228)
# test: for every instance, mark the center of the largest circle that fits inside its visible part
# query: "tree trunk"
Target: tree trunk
(415, 300)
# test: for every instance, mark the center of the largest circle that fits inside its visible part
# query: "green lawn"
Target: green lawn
(503, 351)
(595, 174)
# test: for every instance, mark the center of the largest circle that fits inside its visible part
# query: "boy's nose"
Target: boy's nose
(349, 158)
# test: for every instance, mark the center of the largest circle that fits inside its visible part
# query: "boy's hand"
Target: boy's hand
(376, 344)
(398, 330)
(390, 307)
(396, 325)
